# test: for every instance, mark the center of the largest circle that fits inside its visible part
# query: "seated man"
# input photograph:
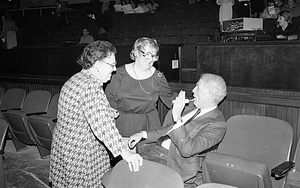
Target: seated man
(190, 134)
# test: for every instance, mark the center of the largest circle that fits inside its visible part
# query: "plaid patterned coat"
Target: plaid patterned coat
(85, 119)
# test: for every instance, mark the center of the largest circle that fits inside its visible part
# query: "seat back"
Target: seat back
(256, 139)
(13, 98)
(150, 174)
(52, 110)
(42, 125)
(3, 131)
(36, 101)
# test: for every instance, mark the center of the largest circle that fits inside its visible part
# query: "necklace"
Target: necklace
(140, 82)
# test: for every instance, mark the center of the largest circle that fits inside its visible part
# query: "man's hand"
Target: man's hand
(115, 112)
(134, 139)
(134, 160)
(179, 104)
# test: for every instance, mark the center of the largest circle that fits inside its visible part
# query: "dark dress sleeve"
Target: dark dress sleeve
(112, 88)
(165, 92)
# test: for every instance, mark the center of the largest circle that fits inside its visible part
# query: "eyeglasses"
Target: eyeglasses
(112, 65)
(148, 55)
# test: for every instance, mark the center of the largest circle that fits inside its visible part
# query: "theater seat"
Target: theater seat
(36, 102)
(12, 100)
(252, 146)
(42, 127)
(150, 174)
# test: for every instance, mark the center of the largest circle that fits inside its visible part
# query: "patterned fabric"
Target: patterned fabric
(85, 119)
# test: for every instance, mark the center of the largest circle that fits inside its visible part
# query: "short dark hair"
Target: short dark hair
(287, 15)
(95, 51)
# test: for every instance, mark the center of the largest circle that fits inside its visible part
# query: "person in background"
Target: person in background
(155, 5)
(279, 4)
(105, 6)
(133, 5)
(9, 32)
(225, 12)
(61, 14)
(189, 132)
(285, 29)
(86, 38)
(270, 11)
(100, 19)
(2, 41)
(136, 87)
(86, 124)
(293, 7)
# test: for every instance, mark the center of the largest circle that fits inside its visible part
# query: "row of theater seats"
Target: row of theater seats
(198, 20)
(249, 156)
(30, 116)
(255, 153)
(151, 173)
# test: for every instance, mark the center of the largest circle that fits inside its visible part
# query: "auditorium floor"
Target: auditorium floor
(25, 169)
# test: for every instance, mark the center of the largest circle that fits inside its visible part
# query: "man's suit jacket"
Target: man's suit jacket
(191, 142)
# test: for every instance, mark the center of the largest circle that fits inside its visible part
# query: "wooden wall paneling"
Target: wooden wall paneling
(272, 103)
(267, 64)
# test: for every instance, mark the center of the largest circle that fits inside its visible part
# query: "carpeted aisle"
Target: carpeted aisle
(25, 169)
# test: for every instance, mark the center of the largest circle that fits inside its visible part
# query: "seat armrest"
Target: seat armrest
(281, 170)
(35, 113)
(6, 109)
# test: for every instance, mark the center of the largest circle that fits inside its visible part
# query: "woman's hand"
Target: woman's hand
(134, 160)
(115, 112)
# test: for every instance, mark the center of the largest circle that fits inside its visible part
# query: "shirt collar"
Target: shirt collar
(206, 110)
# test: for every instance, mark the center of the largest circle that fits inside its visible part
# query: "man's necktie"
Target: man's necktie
(165, 137)
(195, 115)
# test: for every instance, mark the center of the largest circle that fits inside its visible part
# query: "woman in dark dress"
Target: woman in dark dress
(136, 87)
